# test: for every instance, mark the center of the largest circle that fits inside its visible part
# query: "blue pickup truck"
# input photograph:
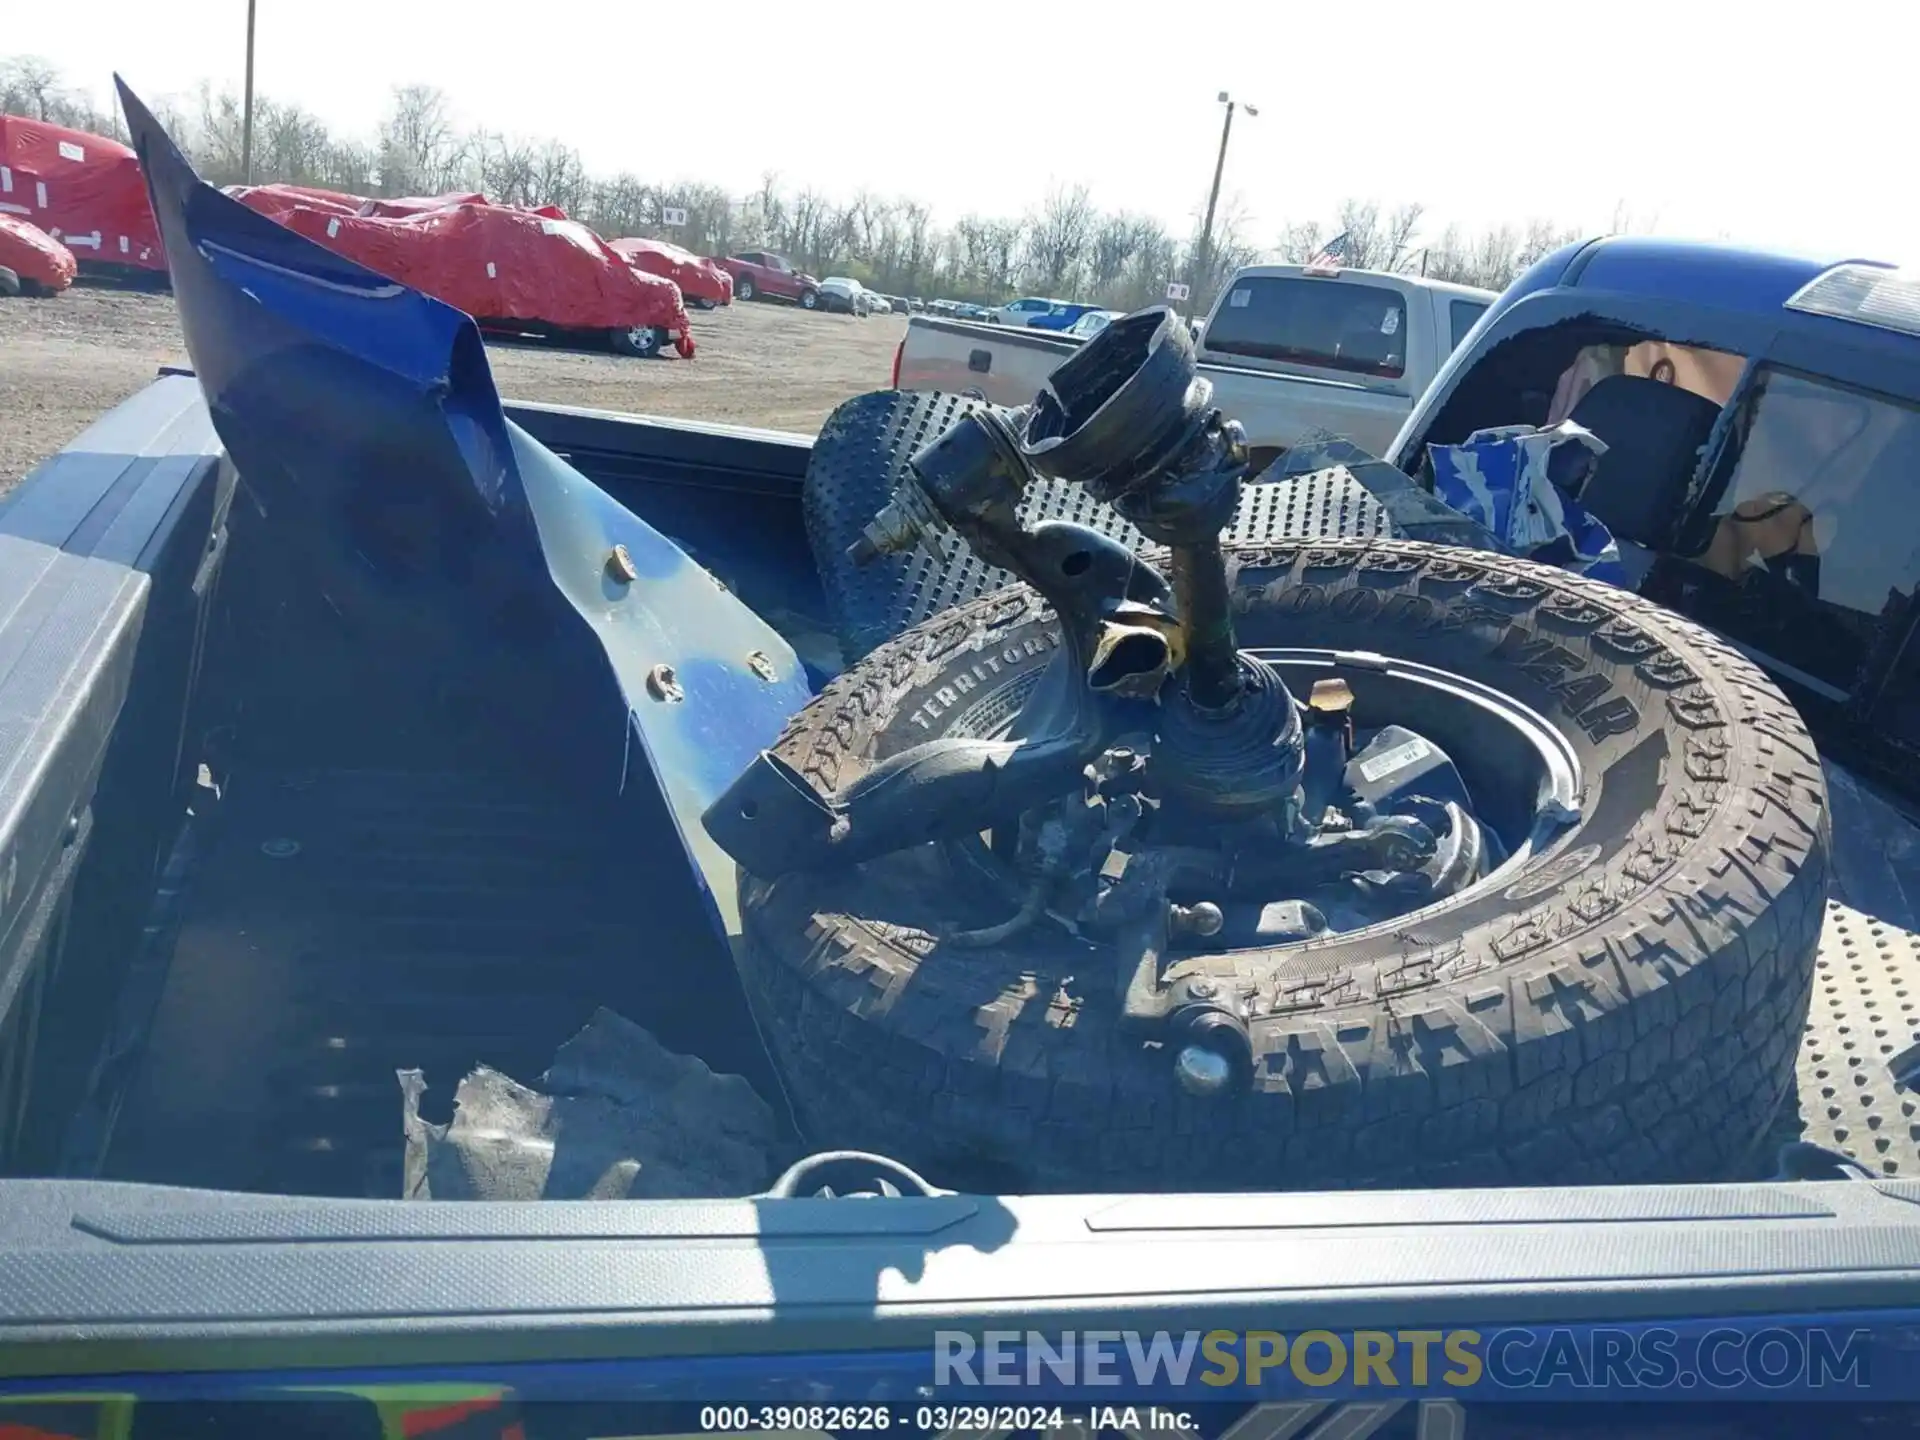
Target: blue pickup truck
(1012, 867)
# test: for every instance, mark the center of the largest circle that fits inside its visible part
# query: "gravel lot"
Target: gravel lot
(66, 360)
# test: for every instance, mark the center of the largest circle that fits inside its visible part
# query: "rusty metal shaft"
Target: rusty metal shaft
(1200, 590)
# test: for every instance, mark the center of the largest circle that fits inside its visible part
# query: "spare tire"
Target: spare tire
(1623, 1005)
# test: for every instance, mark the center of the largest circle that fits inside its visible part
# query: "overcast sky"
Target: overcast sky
(1783, 125)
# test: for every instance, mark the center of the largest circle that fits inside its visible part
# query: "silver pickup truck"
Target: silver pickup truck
(1290, 350)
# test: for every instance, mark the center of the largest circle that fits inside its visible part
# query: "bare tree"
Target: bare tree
(506, 169)
(917, 245)
(30, 86)
(621, 206)
(1115, 240)
(1057, 237)
(1003, 241)
(559, 178)
(420, 153)
(1396, 237)
(1300, 242)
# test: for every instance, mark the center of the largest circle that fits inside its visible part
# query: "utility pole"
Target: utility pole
(246, 112)
(1203, 252)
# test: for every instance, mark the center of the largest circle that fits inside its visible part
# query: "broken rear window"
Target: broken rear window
(1333, 324)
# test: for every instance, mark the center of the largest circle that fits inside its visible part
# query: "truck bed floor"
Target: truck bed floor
(342, 924)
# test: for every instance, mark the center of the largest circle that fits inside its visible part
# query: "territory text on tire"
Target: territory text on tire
(1622, 1004)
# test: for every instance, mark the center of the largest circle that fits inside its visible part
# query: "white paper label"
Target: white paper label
(1388, 761)
(124, 247)
(6, 181)
(549, 227)
(40, 193)
(492, 274)
(333, 228)
(1239, 298)
(1390, 322)
(71, 151)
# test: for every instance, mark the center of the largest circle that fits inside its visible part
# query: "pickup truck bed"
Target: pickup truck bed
(357, 883)
(363, 884)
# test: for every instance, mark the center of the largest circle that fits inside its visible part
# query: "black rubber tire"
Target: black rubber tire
(645, 345)
(1627, 1009)
(809, 299)
(743, 289)
(9, 282)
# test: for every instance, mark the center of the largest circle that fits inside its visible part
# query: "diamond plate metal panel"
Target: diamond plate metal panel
(862, 454)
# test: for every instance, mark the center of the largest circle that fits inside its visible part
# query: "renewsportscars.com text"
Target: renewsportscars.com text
(1515, 1358)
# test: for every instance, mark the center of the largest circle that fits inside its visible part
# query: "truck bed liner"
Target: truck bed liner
(343, 924)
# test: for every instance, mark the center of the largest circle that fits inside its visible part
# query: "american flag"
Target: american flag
(1331, 253)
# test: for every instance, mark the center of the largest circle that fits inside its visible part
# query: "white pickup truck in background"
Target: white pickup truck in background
(1289, 349)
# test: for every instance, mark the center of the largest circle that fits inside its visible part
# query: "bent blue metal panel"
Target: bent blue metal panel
(364, 420)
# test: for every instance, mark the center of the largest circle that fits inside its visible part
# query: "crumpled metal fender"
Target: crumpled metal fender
(364, 421)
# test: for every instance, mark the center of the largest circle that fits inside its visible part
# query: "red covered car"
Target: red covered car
(276, 200)
(85, 191)
(32, 262)
(510, 269)
(701, 280)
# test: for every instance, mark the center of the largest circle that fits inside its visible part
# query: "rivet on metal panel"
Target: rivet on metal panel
(663, 684)
(761, 666)
(620, 566)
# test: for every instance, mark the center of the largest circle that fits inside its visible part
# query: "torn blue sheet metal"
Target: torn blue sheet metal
(363, 419)
(1519, 482)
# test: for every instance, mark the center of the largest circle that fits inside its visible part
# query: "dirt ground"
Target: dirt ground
(67, 360)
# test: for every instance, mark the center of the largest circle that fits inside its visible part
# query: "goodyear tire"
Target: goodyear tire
(1627, 1007)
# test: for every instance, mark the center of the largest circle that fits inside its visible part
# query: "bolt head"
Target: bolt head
(621, 567)
(663, 684)
(1201, 1071)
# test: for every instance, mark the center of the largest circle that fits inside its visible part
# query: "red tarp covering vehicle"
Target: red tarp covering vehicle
(86, 191)
(419, 204)
(40, 263)
(276, 200)
(699, 279)
(503, 266)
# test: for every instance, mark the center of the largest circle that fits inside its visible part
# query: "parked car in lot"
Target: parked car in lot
(1092, 323)
(32, 262)
(1020, 313)
(513, 270)
(763, 275)
(702, 281)
(1288, 351)
(878, 304)
(846, 296)
(83, 190)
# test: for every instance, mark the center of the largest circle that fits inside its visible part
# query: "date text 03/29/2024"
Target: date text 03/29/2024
(943, 1419)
